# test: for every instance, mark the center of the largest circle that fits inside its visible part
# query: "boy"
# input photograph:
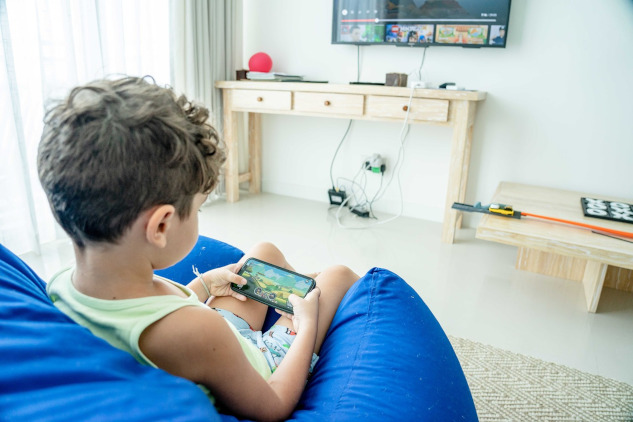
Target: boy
(126, 166)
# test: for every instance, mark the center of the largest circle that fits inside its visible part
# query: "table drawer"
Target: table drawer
(261, 100)
(317, 102)
(396, 107)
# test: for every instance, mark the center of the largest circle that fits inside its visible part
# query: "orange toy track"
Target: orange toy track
(588, 226)
(507, 211)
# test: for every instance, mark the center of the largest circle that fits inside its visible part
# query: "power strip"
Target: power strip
(360, 212)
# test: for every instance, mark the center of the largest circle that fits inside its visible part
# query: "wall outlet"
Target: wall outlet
(375, 164)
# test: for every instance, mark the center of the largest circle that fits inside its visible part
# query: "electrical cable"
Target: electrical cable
(403, 136)
(358, 63)
(371, 203)
(349, 125)
(353, 183)
(422, 64)
(404, 131)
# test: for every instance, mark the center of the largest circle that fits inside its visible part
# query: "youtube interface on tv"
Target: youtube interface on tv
(481, 23)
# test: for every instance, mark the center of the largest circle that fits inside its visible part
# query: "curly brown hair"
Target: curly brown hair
(115, 148)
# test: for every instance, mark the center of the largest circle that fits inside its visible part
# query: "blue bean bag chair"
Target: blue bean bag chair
(385, 358)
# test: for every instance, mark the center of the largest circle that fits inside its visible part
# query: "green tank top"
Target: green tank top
(121, 322)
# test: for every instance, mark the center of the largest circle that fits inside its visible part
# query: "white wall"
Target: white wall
(559, 110)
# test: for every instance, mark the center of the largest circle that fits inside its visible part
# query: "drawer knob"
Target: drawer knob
(405, 108)
(327, 102)
(260, 99)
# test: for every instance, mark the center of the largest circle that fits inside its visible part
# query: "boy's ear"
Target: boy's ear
(159, 222)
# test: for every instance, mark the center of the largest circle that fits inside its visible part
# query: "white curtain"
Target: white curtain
(206, 47)
(47, 48)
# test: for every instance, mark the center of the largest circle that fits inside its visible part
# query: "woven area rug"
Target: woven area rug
(509, 386)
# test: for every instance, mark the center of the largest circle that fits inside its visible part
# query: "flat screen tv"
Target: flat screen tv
(421, 23)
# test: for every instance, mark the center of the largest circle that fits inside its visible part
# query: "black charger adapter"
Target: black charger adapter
(337, 197)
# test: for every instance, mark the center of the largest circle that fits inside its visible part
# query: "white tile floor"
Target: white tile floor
(471, 286)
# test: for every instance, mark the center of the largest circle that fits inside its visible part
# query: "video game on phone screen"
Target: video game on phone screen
(273, 284)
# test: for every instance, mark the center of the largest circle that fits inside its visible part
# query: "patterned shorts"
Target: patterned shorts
(273, 344)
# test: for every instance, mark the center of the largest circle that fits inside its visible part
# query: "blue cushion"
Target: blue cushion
(385, 358)
(206, 255)
(54, 369)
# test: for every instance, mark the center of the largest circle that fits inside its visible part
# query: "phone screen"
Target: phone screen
(272, 285)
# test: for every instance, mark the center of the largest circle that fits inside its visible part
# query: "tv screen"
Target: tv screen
(421, 23)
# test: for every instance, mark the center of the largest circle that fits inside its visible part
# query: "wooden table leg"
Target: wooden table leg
(255, 152)
(464, 117)
(231, 166)
(593, 280)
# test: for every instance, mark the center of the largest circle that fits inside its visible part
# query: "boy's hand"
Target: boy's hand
(306, 310)
(219, 281)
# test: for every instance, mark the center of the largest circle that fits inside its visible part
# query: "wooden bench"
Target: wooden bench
(562, 250)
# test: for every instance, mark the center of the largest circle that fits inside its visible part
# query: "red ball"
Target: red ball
(260, 62)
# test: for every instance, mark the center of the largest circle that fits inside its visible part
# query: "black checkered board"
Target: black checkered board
(607, 210)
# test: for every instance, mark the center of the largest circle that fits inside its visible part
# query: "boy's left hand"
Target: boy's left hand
(219, 281)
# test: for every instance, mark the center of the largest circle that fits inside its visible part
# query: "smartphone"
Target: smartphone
(271, 285)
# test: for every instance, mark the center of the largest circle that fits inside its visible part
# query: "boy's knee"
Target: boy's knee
(342, 273)
(265, 248)
(268, 252)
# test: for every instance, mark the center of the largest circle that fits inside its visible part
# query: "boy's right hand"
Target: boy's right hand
(219, 281)
(306, 310)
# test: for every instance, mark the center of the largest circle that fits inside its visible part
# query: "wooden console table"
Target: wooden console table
(364, 102)
(561, 250)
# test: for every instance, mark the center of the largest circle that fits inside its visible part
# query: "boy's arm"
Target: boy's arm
(197, 344)
(303, 345)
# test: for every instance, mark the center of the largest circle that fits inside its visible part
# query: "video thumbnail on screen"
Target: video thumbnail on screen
(409, 33)
(362, 33)
(497, 34)
(461, 34)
